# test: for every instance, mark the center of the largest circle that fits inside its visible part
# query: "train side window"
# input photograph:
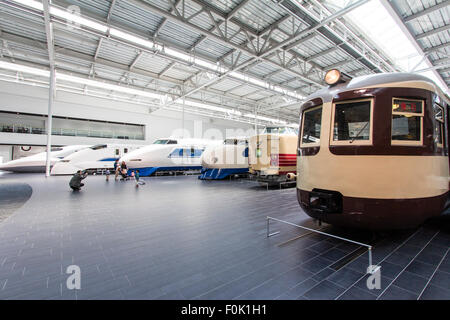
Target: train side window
(311, 127)
(407, 122)
(352, 122)
(117, 152)
(438, 125)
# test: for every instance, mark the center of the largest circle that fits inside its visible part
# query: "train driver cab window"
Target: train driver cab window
(352, 123)
(407, 121)
(438, 125)
(311, 126)
(99, 146)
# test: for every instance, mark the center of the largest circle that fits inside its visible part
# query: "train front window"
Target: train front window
(407, 121)
(312, 121)
(352, 122)
(99, 146)
(271, 130)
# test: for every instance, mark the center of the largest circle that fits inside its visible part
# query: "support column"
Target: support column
(51, 97)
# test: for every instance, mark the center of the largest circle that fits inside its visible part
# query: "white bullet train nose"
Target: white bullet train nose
(25, 165)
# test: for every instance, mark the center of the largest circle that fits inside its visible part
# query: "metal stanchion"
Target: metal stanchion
(369, 247)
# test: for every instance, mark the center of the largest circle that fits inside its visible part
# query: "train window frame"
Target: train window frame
(351, 142)
(408, 114)
(310, 144)
(441, 123)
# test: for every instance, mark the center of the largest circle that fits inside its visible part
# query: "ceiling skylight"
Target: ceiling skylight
(377, 23)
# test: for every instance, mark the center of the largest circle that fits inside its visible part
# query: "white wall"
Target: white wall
(5, 153)
(30, 99)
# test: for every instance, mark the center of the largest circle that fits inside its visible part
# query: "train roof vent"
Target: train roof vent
(334, 76)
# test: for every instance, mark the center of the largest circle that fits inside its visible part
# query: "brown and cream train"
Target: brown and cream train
(272, 154)
(373, 151)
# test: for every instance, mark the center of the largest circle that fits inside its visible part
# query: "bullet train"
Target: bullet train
(272, 154)
(97, 157)
(373, 151)
(168, 155)
(37, 162)
(224, 160)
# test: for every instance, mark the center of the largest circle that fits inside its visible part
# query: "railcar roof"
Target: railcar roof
(373, 80)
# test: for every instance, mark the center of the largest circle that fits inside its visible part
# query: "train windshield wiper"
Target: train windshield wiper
(359, 132)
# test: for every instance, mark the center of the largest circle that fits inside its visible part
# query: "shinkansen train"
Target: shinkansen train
(272, 154)
(37, 162)
(168, 155)
(97, 157)
(224, 160)
(373, 151)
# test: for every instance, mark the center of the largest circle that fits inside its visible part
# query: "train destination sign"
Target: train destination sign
(404, 105)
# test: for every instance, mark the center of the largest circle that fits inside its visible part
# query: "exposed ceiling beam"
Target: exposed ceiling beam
(391, 8)
(322, 53)
(235, 10)
(300, 12)
(167, 68)
(431, 32)
(426, 11)
(437, 48)
(164, 20)
(357, 38)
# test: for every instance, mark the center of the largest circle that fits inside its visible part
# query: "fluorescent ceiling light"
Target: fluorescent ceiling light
(31, 3)
(76, 18)
(107, 86)
(131, 38)
(210, 107)
(251, 115)
(22, 68)
(112, 87)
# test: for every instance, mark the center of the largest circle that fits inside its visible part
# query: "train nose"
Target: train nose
(4, 167)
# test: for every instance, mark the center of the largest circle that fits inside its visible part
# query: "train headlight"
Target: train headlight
(258, 153)
(332, 77)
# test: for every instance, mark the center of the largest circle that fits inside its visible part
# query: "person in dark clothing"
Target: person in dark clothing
(124, 171)
(116, 169)
(75, 182)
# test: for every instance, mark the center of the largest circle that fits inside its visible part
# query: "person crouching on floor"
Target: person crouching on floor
(75, 182)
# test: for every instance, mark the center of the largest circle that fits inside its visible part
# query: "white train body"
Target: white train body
(229, 158)
(36, 163)
(168, 155)
(96, 157)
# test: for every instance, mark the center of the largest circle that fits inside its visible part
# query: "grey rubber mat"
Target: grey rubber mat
(12, 196)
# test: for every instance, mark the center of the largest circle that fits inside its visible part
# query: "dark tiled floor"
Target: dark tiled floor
(181, 238)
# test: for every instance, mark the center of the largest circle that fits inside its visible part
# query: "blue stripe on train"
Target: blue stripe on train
(109, 159)
(218, 174)
(148, 171)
